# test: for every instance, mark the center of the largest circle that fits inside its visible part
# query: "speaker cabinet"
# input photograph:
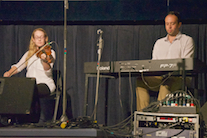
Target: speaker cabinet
(18, 98)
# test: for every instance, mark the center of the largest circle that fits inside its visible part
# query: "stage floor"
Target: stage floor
(50, 132)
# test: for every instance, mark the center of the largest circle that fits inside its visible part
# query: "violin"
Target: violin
(47, 51)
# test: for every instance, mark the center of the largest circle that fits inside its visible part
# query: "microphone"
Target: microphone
(99, 31)
(100, 44)
(49, 43)
(42, 47)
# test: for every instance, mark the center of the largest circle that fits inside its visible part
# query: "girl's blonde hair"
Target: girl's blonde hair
(32, 46)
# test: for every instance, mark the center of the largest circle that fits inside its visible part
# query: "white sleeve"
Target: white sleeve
(54, 56)
(21, 64)
(154, 51)
(189, 48)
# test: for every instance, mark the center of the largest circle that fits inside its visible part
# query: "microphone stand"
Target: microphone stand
(64, 117)
(100, 44)
(168, 5)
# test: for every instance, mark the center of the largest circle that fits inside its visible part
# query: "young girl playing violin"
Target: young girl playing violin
(37, 65)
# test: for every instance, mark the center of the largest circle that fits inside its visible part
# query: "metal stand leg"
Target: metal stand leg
(86, 89)
(86, 96)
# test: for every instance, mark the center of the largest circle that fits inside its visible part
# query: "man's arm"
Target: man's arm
(189, 49)
(154, 51)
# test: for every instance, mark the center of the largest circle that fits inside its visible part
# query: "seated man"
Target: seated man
(174, 45)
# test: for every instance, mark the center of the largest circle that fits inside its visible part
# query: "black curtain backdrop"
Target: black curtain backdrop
(121, 42)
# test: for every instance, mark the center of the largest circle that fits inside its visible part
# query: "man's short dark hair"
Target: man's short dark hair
(177, 14)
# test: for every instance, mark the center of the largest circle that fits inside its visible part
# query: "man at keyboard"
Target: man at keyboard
(174, 45)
